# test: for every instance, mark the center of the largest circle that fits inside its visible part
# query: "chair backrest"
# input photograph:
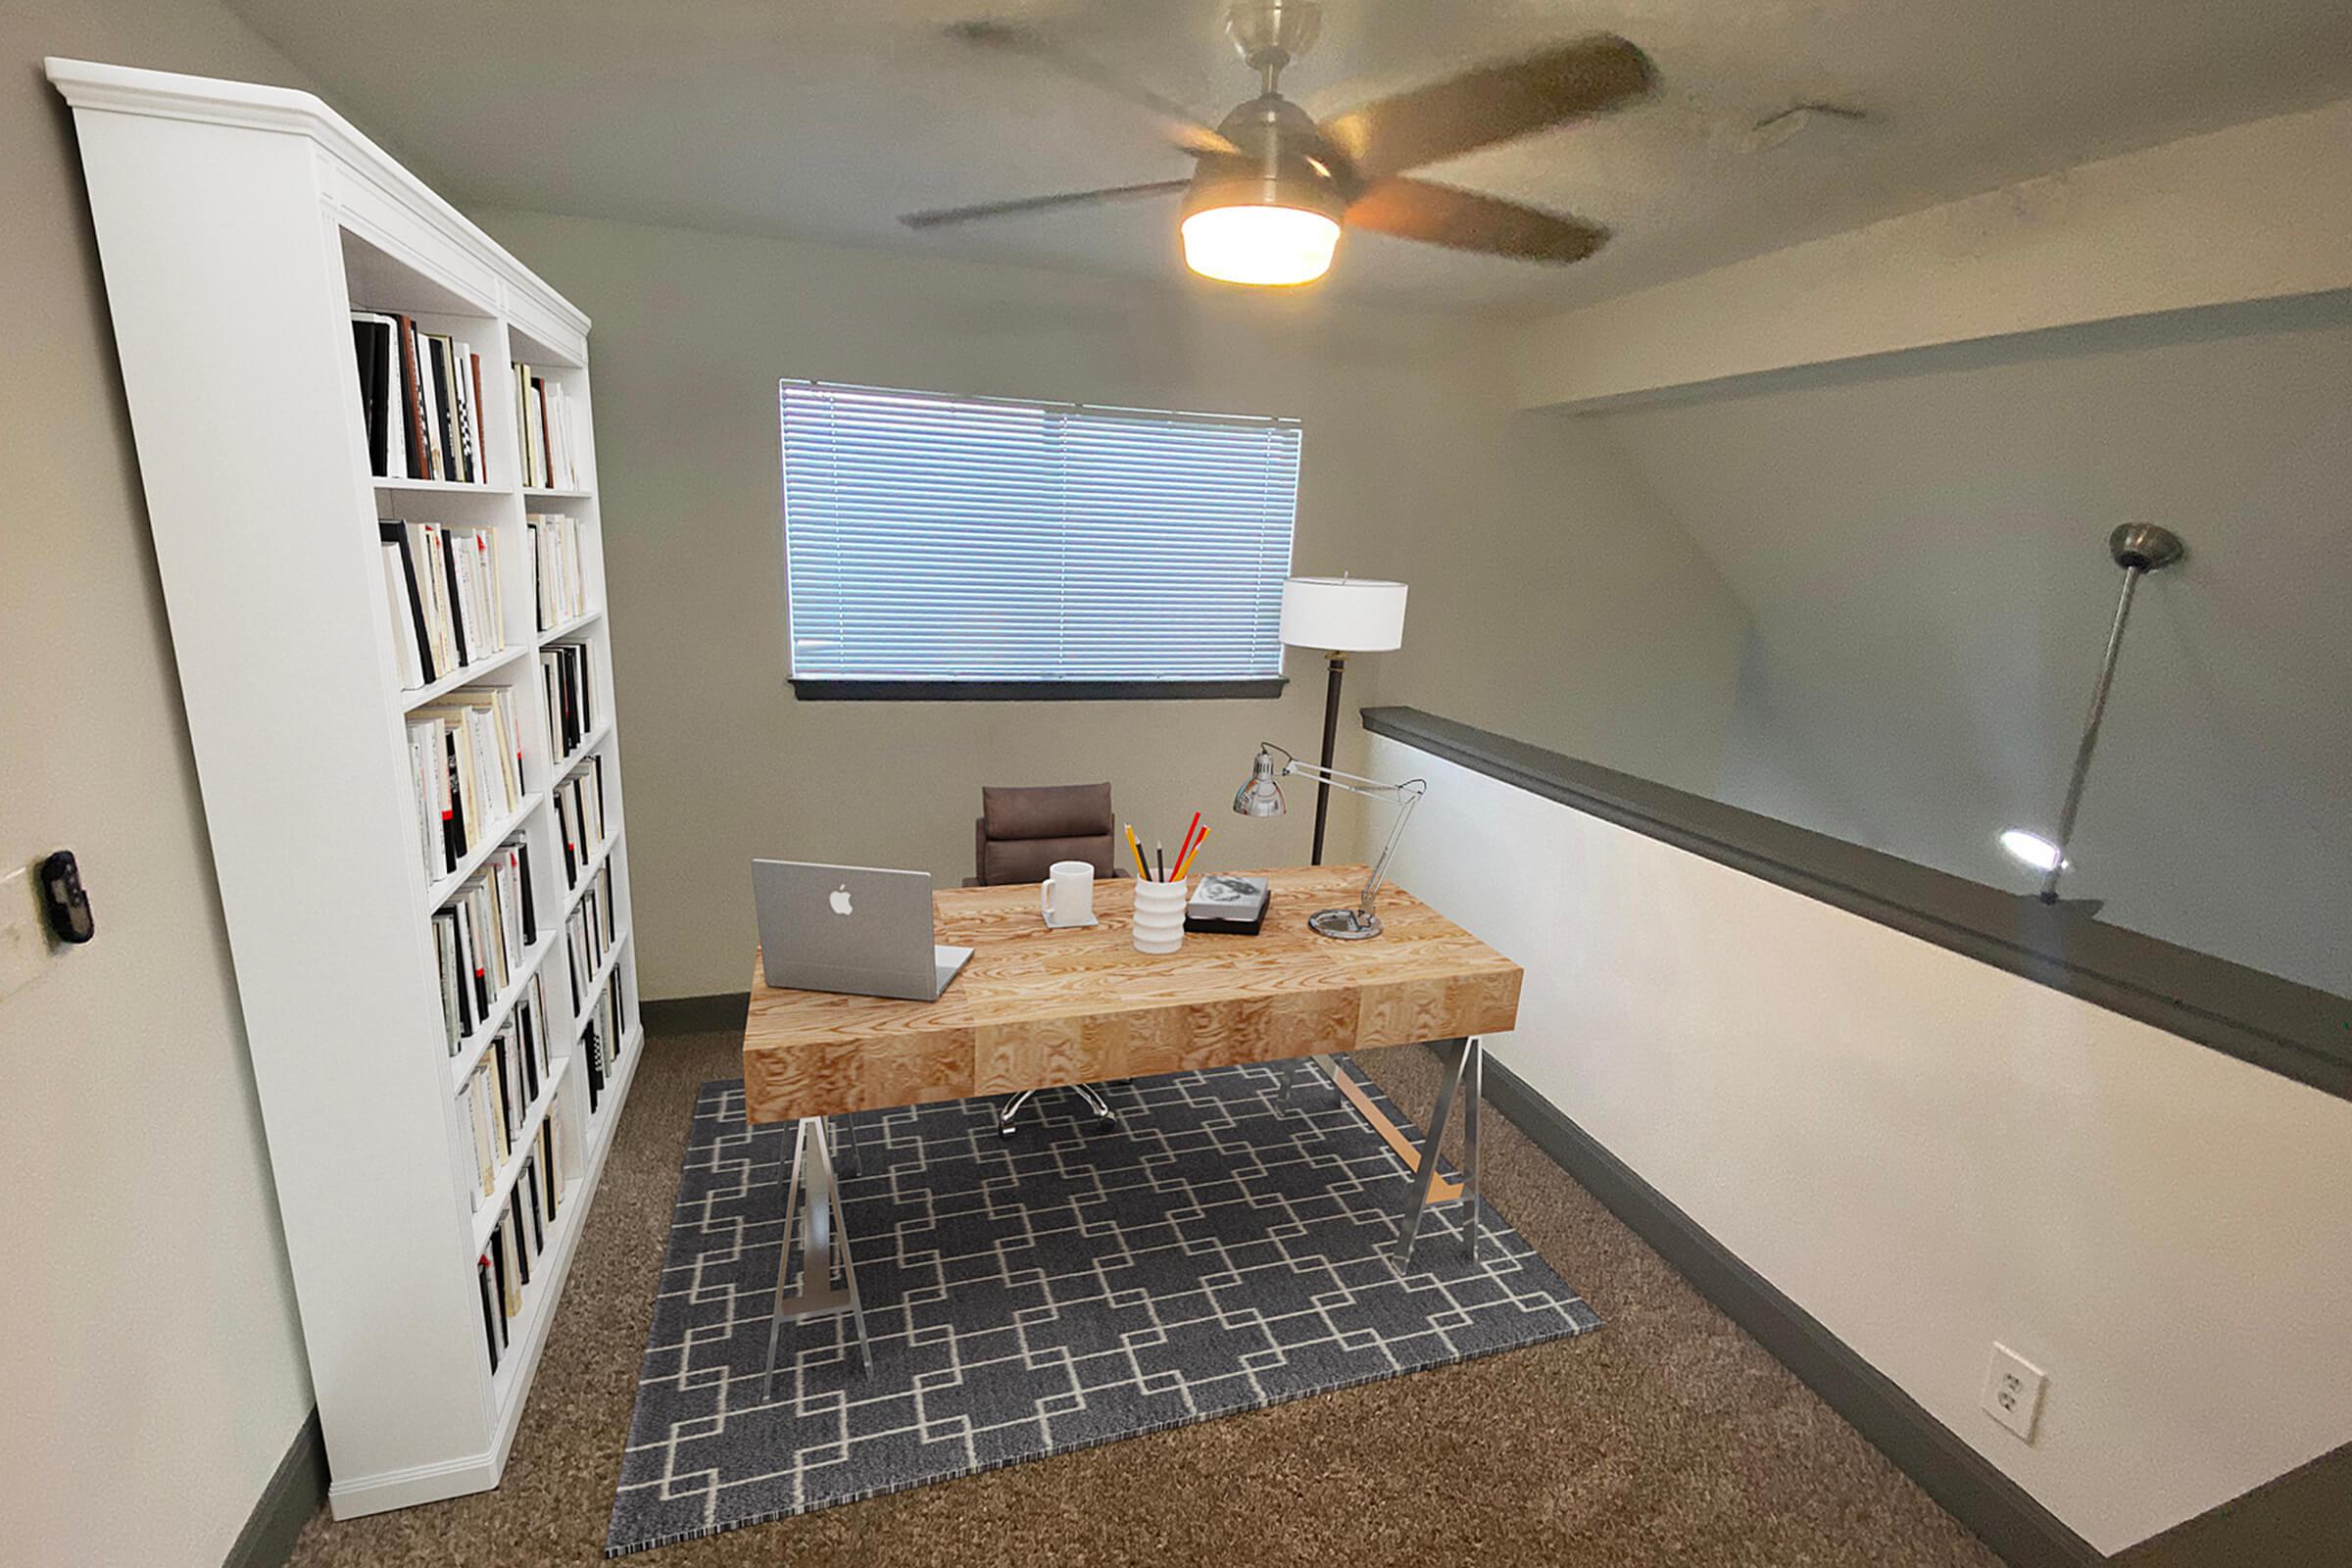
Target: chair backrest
(1023, 830)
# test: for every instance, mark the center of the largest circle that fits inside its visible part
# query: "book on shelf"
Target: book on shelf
(547, 431)
(372, 345)
(558, 577)
(494, 1321)
(571, 704)
(444, 584)
(465, 767)
(479, 939)
(588, 935)
(421, 399)
(600, 1038)
(580, 823)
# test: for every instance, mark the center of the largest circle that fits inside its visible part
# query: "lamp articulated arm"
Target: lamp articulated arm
(1407, 795)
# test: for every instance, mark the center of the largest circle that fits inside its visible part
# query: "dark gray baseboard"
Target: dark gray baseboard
(2301, 1520)
(1967, 1484)
(297, 1489)
(693, 1015)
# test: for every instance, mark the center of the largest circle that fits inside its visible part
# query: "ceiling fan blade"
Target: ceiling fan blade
(1038, 204)
(1442, 215)
(1176, 124)
(1494, 103)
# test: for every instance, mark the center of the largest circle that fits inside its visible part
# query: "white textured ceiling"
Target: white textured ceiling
(825, 119)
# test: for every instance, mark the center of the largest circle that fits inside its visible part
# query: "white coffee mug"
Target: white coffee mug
(1066, 897)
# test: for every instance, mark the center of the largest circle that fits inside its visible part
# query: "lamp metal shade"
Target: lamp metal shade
(1345, 615)
(1261, 796)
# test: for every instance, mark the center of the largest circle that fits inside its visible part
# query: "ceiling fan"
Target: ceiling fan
(1271, 186)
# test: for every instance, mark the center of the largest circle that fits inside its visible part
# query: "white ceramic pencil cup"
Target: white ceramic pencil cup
(1160, 917)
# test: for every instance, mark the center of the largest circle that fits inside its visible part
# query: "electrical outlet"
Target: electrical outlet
(24, 934)
(2013, 1389)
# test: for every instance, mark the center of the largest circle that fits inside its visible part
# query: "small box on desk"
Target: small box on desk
(1234, 905)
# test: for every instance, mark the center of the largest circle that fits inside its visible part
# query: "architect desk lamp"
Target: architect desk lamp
(1261, 796)
(1341, 615)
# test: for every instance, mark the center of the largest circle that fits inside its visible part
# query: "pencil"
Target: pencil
(1161, 851)
(1192, 855)
(1185, 848)
(1137, 850)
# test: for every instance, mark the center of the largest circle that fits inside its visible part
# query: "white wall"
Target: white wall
(1927, 1154)
(1921, 543)
(2258, 210)
(152, 1360)
(1404, 474)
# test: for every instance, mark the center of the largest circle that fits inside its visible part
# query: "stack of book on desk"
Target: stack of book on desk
(1233, 904)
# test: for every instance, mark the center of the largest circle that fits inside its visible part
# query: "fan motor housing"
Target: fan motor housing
(1282, 162)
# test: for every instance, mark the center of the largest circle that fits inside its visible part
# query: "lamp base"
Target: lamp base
(1344, 925)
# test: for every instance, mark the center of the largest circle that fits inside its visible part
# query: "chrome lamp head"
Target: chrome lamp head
(1261, 796)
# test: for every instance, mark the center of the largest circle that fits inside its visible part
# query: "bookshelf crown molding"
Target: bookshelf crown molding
(288, 111)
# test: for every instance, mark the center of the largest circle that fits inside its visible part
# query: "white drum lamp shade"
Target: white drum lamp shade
(1341, 615)
(1345, 615)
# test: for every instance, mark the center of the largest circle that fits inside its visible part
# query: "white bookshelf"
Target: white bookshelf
(239, 226)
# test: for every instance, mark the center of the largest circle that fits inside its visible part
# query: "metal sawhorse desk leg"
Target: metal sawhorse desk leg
(1465, 1077)
(811, 1207)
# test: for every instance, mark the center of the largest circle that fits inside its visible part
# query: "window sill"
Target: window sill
(836, 690)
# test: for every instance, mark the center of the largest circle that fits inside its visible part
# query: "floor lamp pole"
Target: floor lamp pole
(1331, 739)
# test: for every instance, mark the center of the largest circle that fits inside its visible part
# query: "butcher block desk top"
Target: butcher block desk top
(1034, 1008)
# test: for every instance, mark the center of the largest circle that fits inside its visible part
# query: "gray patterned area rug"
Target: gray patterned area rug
(1076, 1283)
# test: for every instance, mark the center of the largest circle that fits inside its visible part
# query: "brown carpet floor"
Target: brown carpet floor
(1668, 1437)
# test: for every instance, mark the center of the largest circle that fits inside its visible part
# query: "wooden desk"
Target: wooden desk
(1036, 1008)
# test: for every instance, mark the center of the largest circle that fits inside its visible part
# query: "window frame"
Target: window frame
(833, 688)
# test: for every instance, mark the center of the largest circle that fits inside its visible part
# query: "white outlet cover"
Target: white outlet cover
(23, 939)
(2013, 1389)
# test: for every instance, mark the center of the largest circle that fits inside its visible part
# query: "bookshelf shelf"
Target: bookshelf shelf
(482, 671)
(596, 982)
(596, 862)
(445, 887)
(242, 230)
(493, 1207)
(437, 487)
(586, 748)
(470, 1050)
(570, 629)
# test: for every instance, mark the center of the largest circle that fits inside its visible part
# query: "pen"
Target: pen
(1161, 850)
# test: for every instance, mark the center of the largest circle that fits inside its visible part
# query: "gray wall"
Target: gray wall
(1558, 600)
(1406, 474)
(152, 1359)
(1920, 542)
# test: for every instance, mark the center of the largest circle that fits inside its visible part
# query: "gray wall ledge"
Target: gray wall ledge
(2298, 1031)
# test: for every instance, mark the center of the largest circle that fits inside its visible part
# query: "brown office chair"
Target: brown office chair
(1020, 832)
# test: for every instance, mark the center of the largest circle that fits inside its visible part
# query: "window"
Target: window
(981, 547)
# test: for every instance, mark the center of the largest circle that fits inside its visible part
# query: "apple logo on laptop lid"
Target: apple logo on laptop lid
(840, 899)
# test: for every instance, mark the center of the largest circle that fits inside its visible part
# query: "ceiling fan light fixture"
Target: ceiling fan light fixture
(1260, 243)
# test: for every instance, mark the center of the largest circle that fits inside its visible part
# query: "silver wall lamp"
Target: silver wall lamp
(1261, 796)
(2139, 548)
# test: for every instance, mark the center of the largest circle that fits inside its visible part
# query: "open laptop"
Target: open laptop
(850, 928)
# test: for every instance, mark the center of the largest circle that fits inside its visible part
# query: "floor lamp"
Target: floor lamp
(1341, 615)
